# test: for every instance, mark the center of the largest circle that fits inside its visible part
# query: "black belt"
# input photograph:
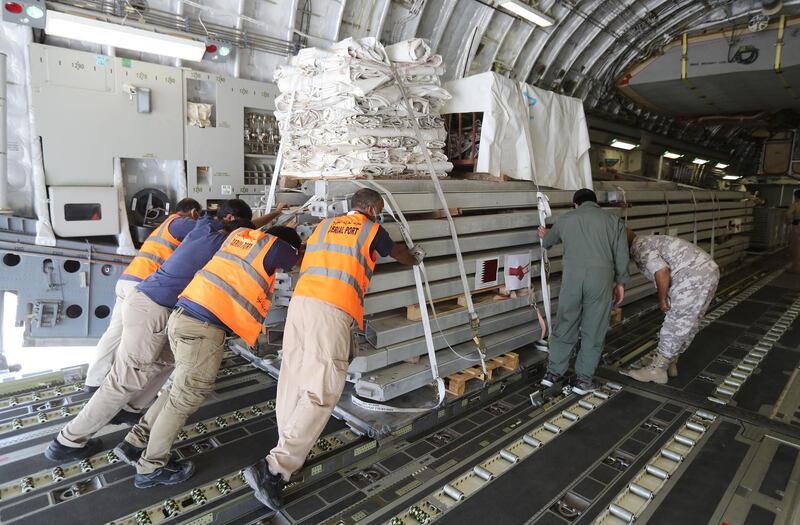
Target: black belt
(796, 222)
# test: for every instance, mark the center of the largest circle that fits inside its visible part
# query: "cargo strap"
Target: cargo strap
(474, 320)
(286, 138)
(422, 285)
(713, 224)
(543, 206)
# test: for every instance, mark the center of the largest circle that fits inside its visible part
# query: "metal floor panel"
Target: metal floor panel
(547, 475)
(694, 498)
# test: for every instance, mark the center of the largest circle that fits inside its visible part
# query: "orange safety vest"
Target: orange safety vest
(338, 264)
(154, 252)
(233, 285)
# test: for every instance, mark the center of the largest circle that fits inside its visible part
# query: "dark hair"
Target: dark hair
(364, 198)
(187, 205)
(235, 224)
(583, 195)
(287, 235)
(797, 194)
(236, 207)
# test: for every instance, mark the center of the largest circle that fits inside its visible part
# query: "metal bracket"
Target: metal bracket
(46, 313)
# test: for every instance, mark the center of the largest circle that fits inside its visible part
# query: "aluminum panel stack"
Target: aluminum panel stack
(345, 115)
(494, 220)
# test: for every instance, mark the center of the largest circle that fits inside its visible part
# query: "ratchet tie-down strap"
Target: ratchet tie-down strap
(543, 207)
(474, 321)
(421, 283)
(420, 279)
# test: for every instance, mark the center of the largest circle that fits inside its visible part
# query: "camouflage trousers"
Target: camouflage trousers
(690, 294)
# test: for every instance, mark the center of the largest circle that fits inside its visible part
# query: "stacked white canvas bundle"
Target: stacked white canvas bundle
(342, 112)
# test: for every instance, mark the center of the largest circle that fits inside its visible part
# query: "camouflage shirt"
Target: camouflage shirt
(652, 253)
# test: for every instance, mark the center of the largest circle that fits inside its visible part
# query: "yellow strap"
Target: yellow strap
(684, 55)
(779, 47)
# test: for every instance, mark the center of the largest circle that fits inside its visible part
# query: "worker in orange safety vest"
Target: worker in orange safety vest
(318, 339)
(155, 251)
(229, 295)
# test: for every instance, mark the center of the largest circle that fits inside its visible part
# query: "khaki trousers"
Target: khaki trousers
(198, 348)
(317, 345)
(142, 365)
(106, 348)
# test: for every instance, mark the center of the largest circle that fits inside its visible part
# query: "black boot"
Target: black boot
(266, 486)
(125, 417)
(58, 452)
(127, 453)
(172, 473)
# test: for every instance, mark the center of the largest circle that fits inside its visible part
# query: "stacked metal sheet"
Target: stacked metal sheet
(345, 114)
(495, 220)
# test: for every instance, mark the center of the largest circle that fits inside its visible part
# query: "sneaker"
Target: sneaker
(583, 386)
(125, 417)
(128, 453)
(172, 473)
(90, 389)
(266, 486)
(58, 452)
(550, 379)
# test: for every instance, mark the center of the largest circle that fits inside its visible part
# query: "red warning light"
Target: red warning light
(13, 7)
(211, 48)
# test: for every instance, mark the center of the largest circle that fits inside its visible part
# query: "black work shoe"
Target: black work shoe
(550, 379)
(584, 386)
(90, 389)
(58, 452)
(172, 473)
(125, 417)
(128, 453)
(266, 486)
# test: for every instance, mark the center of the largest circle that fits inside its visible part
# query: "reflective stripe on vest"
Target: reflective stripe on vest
(154, 252)
(234, 285)
(338, 265)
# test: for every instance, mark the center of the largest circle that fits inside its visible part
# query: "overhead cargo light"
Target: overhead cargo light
(26, 12)
(721, 165)
(731, 177)
(698, 160)
(527, 12)
(217, 49)
(670, 155)
(627, 146)
(124, 37)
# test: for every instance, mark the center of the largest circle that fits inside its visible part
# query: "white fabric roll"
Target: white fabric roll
(415, 50)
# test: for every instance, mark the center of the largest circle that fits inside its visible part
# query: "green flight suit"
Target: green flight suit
(595, 257)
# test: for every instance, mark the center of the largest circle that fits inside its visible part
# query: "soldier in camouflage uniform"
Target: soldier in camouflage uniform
(686, 278)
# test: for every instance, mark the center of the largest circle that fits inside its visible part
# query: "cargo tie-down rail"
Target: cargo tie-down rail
(50, 477)
(470, 482)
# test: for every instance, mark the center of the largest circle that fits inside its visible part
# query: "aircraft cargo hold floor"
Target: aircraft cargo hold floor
(718, 444)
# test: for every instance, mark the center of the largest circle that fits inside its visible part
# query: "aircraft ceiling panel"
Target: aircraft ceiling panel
(734, 93)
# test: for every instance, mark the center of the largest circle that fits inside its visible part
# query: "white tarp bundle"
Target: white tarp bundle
(527, 133)
(341, 112)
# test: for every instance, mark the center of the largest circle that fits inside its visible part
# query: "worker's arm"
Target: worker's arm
(268, 218)
(663, 279)
(621, 254)
(402, 254)
(550, 236)
(385, 246)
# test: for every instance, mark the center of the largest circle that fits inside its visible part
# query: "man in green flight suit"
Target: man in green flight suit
(595, 270)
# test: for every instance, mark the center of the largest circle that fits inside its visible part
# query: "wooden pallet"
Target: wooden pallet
(455, 303)
(457, 383)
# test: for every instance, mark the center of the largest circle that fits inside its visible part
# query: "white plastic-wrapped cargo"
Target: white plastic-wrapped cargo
(342, 114)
